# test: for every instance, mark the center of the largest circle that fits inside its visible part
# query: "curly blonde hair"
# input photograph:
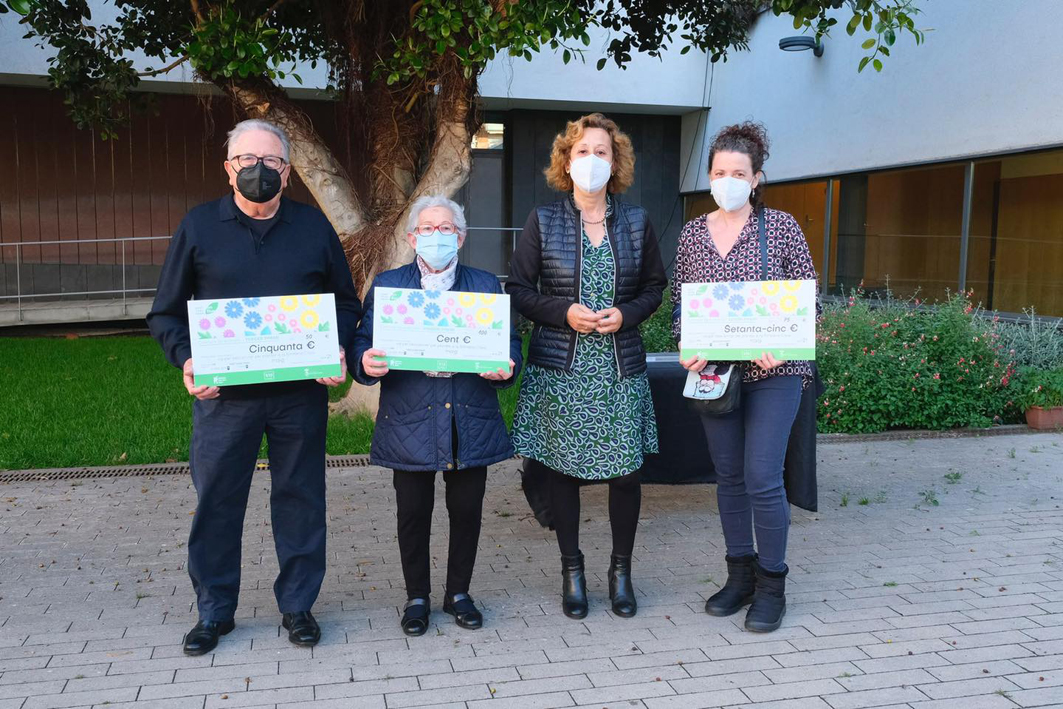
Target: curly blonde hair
(623, 154)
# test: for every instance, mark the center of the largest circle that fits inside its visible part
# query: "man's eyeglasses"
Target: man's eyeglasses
(446, 228)
(248, 160)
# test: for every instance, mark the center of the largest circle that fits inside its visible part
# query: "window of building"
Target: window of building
(489, 137)
(1015, 256)
(899, 230)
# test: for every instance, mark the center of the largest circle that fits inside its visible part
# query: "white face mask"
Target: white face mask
(731, 193)
(591, 173)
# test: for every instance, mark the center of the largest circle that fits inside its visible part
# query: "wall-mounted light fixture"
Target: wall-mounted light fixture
(800, 44)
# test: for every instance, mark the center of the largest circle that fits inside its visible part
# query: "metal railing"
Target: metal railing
(125, 291)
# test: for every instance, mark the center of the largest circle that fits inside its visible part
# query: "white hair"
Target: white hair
(429, 201)
(253, 124)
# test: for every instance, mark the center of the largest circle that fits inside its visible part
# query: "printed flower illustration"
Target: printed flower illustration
(468, 317)
(431, 294)
(204, 324)
(272, 308)
(458, 311)
(735, 285)
(388, 310)
(446, 311)
(297, 331)
(289, 302)
(763, 300)
(253, 320)
(736, 302)
(488, 298)
(416, 300)
(720, 292)
(788, 304)
(401, 309)
(431, 311)
(228, 333)
(484, 316)
(251, 302)
(311, 301)
(714, 313)
(233, 309)
(706, 302)
(694, 304)
(219, 321)
(408, 321)
(269, 318)
(309, 319)
(771, 287)
(791, 286)
(466, 299)
(450, 301)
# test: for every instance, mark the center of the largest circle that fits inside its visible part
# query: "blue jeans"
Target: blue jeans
(748, 447)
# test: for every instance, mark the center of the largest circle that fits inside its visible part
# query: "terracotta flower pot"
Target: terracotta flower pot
(1042, 419)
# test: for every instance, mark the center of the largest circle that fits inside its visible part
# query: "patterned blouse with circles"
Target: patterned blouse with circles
(698, 261)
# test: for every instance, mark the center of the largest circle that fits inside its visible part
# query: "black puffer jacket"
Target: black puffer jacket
(544, 281)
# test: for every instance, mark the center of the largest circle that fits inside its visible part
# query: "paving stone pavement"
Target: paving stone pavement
(932, 578)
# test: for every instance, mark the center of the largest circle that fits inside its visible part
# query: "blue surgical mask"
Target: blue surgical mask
(437, 250)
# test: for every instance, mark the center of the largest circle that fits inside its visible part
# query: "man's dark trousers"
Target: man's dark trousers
(226, 434)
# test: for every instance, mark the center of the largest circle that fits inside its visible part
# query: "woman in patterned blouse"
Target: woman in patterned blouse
(748, 445)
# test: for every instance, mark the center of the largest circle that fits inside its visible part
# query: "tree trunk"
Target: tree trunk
(447, 171)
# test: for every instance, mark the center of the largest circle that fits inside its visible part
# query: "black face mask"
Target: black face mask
(259, 183)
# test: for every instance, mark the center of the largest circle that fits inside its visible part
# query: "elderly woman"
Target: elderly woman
(586, 272)
(436, 421)
(748, 445)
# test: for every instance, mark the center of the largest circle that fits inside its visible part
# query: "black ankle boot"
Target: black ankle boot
(621, 592)
(737, 591)
(769, 601)
(573, 587)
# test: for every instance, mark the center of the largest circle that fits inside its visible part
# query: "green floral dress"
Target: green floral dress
(589, 423)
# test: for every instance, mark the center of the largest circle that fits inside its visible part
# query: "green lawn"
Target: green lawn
(112, 400)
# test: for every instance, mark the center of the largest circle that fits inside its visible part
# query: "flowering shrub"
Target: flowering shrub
(898, 367)
(1040, 388)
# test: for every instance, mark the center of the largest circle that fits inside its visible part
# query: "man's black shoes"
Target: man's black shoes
(204, 637)
(302, 629)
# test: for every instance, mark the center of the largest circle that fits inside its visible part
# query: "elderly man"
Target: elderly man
(436, 421)
(254, 243)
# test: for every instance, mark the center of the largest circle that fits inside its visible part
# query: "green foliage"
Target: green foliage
(656, 330)
(1038, 387)
(897, 367)
(474, 31)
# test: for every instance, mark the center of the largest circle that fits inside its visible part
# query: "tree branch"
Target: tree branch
(165, 69)
(273, 8)
(198, 11)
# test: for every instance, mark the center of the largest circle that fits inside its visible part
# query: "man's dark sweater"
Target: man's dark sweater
(220, 252)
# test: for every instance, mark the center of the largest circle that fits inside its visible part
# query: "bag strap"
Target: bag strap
(763, 238)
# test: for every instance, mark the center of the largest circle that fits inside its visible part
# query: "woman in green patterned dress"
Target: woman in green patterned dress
(586, 272)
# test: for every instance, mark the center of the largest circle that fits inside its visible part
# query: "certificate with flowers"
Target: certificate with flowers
(441, 331)
(258, 340)
(741, 320)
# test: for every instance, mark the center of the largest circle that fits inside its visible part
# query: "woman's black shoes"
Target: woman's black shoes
(302, 629)
(465, 613)
(738, 591)
(204, 636)
(573, 587)
(415, 617)
(769, 600)
(621, 592)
